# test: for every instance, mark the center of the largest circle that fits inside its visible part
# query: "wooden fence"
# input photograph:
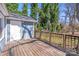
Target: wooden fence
(64, 42)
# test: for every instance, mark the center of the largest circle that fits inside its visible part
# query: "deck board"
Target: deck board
(30, 48)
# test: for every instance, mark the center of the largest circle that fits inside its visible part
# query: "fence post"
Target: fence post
(50, 37)
(64, 41)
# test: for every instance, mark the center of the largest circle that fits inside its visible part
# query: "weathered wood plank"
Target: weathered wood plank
(31, 48)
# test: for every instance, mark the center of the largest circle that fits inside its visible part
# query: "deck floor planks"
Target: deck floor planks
(46, 49)
(43, 50)
(26, 50)
(36, 48)
(32, 50)
(29, 51)
(49, 48)
(23, 51)
(40, 49)
(14, 51)
(37, 51)
(20, 51)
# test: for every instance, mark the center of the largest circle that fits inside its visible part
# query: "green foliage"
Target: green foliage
(43, 15)
(24, 12)
(39, 27)
(59, 27)
(49, 16)
(12, 7)
(54, 16)
(34, 9)
(19, 12)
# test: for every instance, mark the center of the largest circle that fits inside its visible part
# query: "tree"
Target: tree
(24, 12)
(71, 12)
(12, 7)
(54, 13)
(48, 16)
(35, 10)
(43, 15)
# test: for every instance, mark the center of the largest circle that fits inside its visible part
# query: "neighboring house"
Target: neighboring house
(14, 26)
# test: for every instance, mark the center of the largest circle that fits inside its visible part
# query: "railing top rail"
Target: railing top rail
(74, 35)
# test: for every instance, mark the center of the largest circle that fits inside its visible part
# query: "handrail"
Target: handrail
(59, 33)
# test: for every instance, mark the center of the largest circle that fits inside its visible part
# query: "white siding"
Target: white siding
(19, 30)
(15, 30)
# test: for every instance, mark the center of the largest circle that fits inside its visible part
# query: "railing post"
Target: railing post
(50, 37)
(35, 34)
(78, 46)
(64, 41)
(71, 41)
(40, 35)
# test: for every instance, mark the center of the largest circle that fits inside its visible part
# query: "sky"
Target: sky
(62, 14)
(61, 8)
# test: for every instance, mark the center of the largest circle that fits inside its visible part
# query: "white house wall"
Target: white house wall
(15, 30)
(19, 30)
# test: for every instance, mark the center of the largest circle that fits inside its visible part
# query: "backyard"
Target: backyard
(54, 26)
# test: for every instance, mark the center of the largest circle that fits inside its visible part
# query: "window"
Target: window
(0, 28)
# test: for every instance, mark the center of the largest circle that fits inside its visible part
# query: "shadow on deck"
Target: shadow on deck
(30, 48)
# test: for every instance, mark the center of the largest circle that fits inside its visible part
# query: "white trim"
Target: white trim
(33, 31)
(5, 31)
(21, 19)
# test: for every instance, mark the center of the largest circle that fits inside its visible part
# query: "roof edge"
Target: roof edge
(3, 9)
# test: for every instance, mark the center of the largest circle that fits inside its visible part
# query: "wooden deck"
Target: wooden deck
(30, 48)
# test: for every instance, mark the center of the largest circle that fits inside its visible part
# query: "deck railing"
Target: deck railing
(2, 44)
(66, 42)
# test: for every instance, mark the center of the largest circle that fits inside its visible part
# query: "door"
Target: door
(15, 30)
